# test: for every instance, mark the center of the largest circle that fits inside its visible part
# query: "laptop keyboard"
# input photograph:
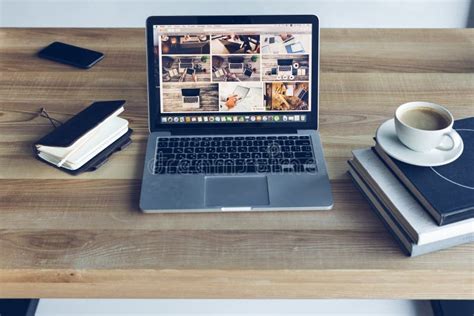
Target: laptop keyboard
(234, 154)
(285, 68)
(190, 99)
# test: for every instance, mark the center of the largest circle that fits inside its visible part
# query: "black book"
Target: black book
(85, 142)
(447, 192)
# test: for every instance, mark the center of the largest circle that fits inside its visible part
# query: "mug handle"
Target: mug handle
(455, 141)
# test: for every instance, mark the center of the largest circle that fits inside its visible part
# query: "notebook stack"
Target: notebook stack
(85, 142)
(425, 208)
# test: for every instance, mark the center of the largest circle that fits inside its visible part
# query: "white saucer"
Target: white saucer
(388, 141)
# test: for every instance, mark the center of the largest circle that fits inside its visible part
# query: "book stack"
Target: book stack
(86, 141)
(425, 208)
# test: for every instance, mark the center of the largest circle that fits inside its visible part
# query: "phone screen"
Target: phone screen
(72, 55)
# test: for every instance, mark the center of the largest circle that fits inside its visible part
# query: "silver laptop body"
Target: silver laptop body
(269, 183)
(285, 70)
(192, 102)
(237, 68)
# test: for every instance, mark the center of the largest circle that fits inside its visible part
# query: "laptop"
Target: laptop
(236, 65)
(212, 160)
(185, 63)
(285, 67)
(237, 68)
(190, 98)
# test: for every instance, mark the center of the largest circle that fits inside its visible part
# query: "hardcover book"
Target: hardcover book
(447, 192)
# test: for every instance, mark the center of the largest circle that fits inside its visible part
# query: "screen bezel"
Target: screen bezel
(154, 103)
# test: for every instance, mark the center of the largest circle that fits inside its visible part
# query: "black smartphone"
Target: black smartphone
(71, 55)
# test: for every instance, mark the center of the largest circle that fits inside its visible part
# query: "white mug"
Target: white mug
(425, 140)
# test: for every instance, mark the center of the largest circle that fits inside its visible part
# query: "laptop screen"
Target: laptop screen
(240, 73)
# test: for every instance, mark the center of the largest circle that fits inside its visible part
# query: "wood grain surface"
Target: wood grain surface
(65, 236)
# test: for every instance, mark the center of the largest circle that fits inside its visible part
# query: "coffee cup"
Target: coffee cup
(423, 126)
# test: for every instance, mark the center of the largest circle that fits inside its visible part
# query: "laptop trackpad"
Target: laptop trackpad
(236, 191)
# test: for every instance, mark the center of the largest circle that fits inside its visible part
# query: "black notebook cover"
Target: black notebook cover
(101, 158)
(449, 189)
(67, 133)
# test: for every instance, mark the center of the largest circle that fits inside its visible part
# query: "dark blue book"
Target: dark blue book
(447, 192)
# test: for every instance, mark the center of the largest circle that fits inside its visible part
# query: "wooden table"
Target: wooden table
(64, 236)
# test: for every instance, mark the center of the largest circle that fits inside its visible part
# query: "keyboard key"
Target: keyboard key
(164, 150)
(276, 169)
(302, 142)
(304, 154)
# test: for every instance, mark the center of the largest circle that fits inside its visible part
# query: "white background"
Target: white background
(333, 13)
(233, 308)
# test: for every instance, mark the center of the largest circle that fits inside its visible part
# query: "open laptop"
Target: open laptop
(212, 160)
(190, 98)
(185, 63)
(236, 64)
(285, 67)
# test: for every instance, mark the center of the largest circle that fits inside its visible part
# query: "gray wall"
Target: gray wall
(333, 13)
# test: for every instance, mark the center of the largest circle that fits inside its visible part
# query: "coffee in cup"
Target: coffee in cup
(425, 118)
(423, 126)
